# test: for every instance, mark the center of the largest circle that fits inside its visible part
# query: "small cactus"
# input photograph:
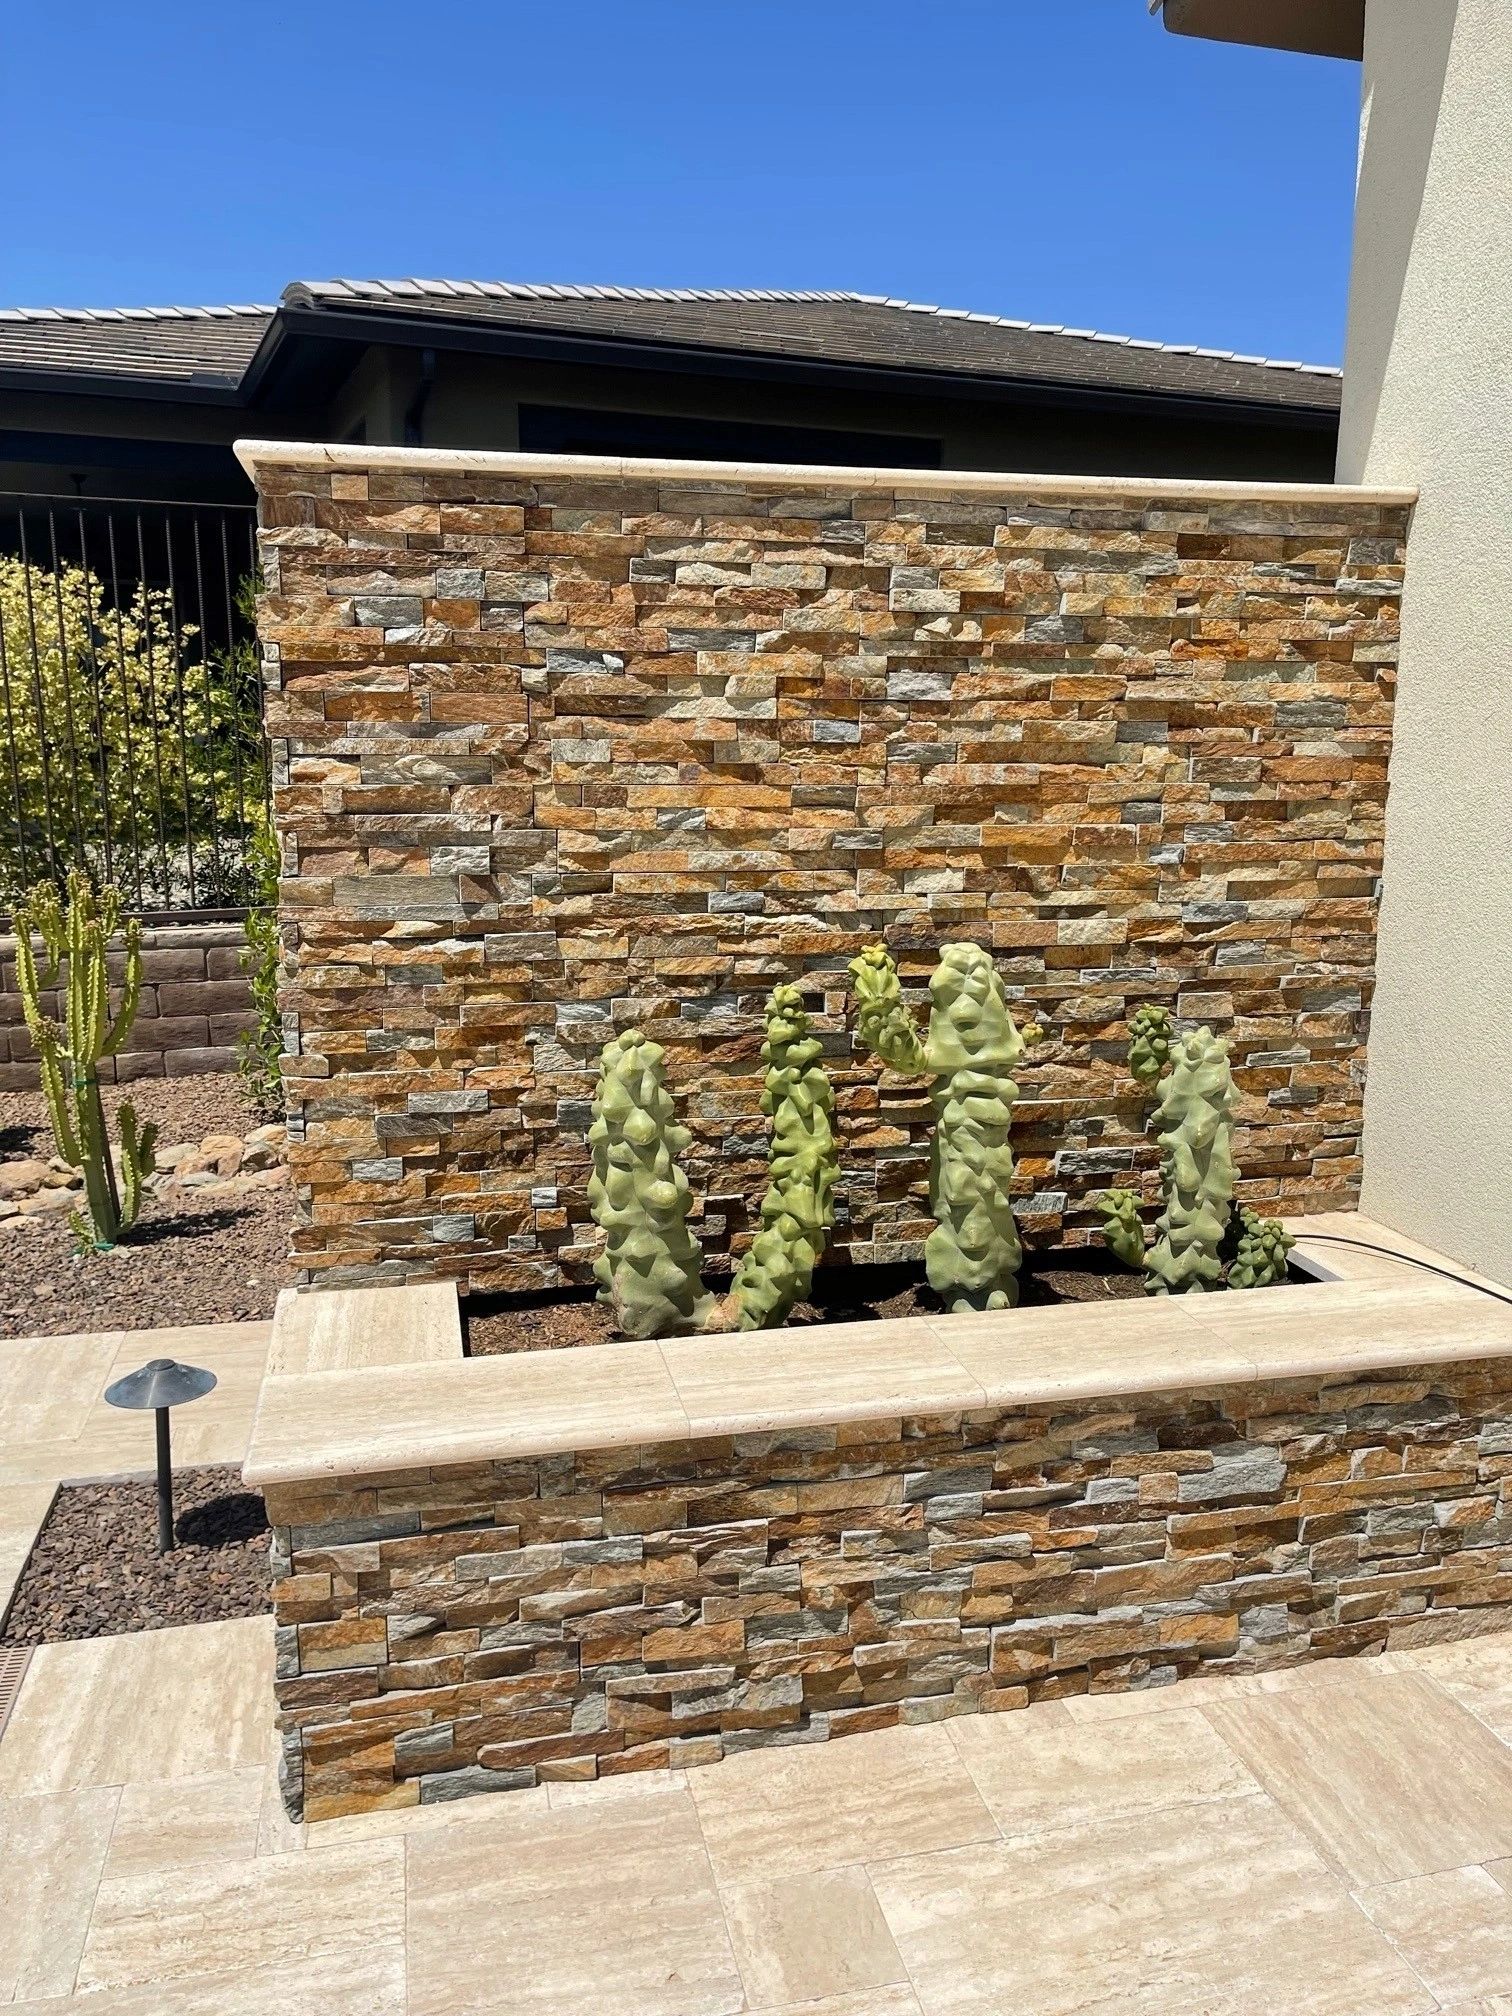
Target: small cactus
(1263, 1246)
(77, 931)
(799, 1206)
(1122, 1230)
(1149, 1042)
(971, 1050)
(649, 1271)
(1195, 1118)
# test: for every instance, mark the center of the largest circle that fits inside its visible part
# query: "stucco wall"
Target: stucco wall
(564, 747)
(1428, 402)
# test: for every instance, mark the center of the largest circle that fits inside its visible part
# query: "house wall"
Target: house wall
(564, 747)
(1427, 402)
(475, 401)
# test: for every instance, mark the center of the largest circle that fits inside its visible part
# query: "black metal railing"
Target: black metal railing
(131, 738)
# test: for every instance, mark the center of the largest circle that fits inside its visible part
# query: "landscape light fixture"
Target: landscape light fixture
(160, 1384)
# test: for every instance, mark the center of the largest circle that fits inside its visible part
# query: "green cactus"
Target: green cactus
(1121, 1227)
(971, 1050)
(799, 1206)
(649, 1269)
(1195, 1117)
(1149, 1042)
(77, 932)
(1263, 1246)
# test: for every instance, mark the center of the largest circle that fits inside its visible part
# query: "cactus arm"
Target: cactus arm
(55, 1092)
(799, 1206)
(1195, 1115)
(973, 1255)
(649, 1270)
(883, 1022)
(1122, 1231)
(131, 992)
(1263, 1246)
(1149, 1043)
(137, 1161)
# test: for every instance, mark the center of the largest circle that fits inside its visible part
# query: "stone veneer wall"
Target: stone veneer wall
(559, 752)
(448, 1632)
(195, 1003)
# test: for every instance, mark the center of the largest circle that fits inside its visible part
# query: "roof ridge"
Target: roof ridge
(565, 291)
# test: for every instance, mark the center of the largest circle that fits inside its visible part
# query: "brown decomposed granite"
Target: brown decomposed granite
(95, 1571)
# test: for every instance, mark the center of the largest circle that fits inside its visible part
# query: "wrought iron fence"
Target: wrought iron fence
(131, 737)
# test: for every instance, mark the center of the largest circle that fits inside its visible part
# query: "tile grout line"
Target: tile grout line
(94, 1898)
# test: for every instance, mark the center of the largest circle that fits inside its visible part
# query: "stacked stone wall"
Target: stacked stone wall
(462, 1630)
(558, 754)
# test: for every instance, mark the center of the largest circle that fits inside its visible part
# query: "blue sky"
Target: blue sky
(1061, 160)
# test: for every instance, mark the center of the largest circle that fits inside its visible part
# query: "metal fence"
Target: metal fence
(131, 738)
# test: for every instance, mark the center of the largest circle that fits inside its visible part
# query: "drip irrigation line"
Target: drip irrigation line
(1407, 1259)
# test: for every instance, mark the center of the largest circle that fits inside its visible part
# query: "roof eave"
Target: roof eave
(1312, 27)
(386, 322)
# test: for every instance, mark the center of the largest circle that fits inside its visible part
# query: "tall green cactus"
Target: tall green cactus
(78, 933)
(799, 1206)
(971, 1050)
(649, 1270)
(1195, 1117)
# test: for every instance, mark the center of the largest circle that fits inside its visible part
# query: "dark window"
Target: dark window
(571, 430)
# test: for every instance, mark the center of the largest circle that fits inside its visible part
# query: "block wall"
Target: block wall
(466, 1630)
(558, 755)
(195, 1004)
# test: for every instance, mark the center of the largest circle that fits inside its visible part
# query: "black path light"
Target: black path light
(160, 1384)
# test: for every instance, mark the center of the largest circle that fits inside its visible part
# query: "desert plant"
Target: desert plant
(1122, 1229)
(1260, 1261)
(799, 1206)
(76, 933)
(970, 1050)
(649, 1271)
(1149, 1042)
(125, 739)
(259, 1049)
(1195, 1121)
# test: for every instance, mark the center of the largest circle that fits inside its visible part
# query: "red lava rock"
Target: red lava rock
(95, 1570)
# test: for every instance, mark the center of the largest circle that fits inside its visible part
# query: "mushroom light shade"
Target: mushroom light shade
(160, 1384)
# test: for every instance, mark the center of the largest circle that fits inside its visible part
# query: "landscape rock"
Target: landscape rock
(20, 1179)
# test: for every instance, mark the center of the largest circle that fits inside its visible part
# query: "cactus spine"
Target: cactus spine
(649, 1269)
(1263, 1246)
(799, 1206)
(1195, 1116)
(69, 1055)
(971, 1050)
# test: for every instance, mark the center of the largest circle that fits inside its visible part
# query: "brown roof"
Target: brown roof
(849, 328)
(212, 347)
(199, 346)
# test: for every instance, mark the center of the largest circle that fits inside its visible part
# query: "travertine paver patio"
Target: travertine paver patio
(1337, 1838)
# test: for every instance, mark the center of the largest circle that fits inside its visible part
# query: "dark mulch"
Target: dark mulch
(193, 1261)
(497, 1324)
(95, 1570)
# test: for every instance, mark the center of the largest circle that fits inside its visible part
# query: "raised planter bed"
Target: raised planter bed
(499, 1570)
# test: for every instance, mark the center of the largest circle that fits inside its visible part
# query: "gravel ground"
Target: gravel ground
(500, 1324)
(193, 1261)
(95, 1569)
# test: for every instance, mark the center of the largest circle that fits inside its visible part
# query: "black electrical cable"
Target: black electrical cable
(1407, 1259)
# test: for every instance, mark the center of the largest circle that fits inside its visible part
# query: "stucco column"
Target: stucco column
(1428, 401)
